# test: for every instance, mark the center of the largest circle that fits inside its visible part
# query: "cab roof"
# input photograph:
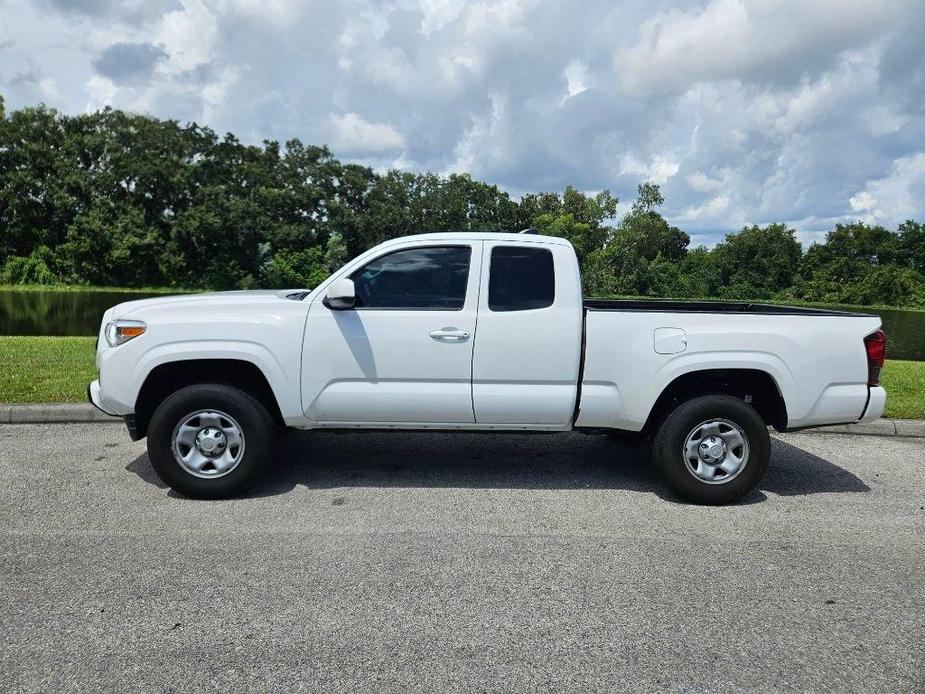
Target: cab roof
(480, 236)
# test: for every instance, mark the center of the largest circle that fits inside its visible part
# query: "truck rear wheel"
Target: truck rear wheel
(712, 449)
(210, 441)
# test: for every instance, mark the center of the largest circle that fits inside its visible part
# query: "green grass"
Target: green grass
(905, 389)
(46, 369)
(57, 369)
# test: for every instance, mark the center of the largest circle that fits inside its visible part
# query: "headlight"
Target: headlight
(121, 331)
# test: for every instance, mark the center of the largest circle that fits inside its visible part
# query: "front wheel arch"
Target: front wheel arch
(247, 419)
(166, 379)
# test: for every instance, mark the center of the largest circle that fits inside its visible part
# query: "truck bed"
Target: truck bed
(634, 349)
(675, 306)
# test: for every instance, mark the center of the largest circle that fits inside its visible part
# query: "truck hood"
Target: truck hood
(130, 308)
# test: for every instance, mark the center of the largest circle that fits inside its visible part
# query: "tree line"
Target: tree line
(119, 199)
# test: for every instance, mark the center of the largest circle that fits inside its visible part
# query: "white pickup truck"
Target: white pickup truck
(478, 331)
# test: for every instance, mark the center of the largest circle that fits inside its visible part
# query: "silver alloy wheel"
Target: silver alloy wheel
(715, 451)
(208, 444)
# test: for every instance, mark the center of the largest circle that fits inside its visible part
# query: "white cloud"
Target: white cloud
(862, 202)
(575, 75)
(808, 104)
(188, 34)
(658, 169)
(350, 132)
(713, 210)
(492, 16)
(101, 92)
(215, 92)
(438, 13)
(895, 197)
(6, 38)
(884, 119)
(737, 39)
(702, 183)
(48, 88)
(276, 11)
(481, 136)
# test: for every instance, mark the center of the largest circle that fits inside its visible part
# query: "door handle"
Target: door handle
(450, 334)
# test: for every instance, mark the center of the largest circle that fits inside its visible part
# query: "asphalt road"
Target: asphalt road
(437, 562)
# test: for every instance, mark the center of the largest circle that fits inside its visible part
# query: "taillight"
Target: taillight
(875, 344)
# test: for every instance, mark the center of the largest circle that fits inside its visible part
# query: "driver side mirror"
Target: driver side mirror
(340, 295)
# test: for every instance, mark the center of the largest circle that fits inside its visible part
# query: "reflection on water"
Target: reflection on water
(58, 312)
(80, 312)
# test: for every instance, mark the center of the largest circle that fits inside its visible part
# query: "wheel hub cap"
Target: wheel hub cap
(715, 451)
(211, 441)
(712, 449)
(208, 443)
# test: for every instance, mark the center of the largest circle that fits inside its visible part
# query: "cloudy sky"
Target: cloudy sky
(745, 111)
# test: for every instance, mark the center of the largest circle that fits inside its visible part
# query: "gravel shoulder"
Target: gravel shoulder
(453, 562)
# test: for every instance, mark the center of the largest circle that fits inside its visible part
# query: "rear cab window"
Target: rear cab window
(521, 278)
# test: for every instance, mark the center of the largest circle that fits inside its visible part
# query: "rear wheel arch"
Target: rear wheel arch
(754, 386)
(166, 379)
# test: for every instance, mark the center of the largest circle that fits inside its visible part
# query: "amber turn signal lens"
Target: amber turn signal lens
(121, 331)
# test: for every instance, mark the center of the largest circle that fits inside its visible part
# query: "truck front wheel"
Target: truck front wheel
(712, 449)
(210, 441)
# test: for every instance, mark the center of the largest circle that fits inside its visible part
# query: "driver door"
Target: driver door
(403, 354)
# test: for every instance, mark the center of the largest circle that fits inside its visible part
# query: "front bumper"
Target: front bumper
(93, 395)
(876, 402)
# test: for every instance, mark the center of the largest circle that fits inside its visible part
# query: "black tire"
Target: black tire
(255, 423)
(669, 445)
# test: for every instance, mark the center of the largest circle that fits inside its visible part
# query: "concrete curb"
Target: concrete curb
(56, 413)
(909, 428)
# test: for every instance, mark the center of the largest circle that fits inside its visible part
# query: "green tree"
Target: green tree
(842, 267)
(335, 253)
(665, 278)
(597, 274)
(295, 269)
(31, 269)
(642, 236)
(582, 236)
(580, 218)
(859, 244)
(700, 276)
(648, 233)
(757, 262)
(912, 245)
(648, 198)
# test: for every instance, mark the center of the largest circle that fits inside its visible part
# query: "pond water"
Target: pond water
(53, 312)
(80, 312)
